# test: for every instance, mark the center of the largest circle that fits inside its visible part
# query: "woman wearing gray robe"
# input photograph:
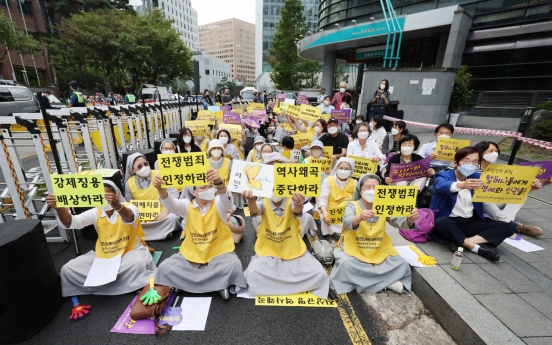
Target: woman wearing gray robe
(136, 264)
(388, 269)
(138, 181)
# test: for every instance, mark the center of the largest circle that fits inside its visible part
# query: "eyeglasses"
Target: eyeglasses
(467, 161)
(139, 166)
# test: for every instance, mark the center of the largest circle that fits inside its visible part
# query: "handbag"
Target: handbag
(322, 250)
(140, 311)
(423, 227)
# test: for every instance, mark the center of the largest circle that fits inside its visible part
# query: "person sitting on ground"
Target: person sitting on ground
(362, 146)
(320, 129)
(139, 186)
(119, 232)
(167, 147)
(505, 212)
(255, 154)
(377, 266)
(282, 264)
(230, 151)
(444, 130)
(336, 191)
(202, 142)
(457, 218)
(408, 144)
(335, 139)
(186, 141)
(206, 261)
(221, 164)
(378, 131)
(391, 141)
(288, 144)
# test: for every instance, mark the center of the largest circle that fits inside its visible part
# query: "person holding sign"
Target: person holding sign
(336, 191)
(206, 261)
(335, 139)
(139, 186)
(186, 141)
(282, 264)
(167, 147)
(460, 220)
(505, 212)
(119, 232)
(364, 147)
(444, 130)
(408, 144)
(365, 259)
(230, 151)
(221, 164)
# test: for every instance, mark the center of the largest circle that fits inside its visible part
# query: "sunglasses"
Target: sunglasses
(139, 166)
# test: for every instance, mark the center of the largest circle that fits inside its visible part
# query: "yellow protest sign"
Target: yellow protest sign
(206, 115)
(394, 201)
(328, 152)
(218, 115)
(286, 127)
(364, 166)
(237, 111)
(301, 139)
(183, 169)
(505, 184)
(198, 127)
(305, 299)
(302, 178)
(234, 130)
(335, 214)
(283, 106)
(309, 113)
(256, 106)
(325, 163)
(446, 148)
(326, 117)
(102, 172)
(78, 190)
(148, 209)
(293, 110)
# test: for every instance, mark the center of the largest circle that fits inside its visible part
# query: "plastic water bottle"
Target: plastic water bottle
(457, 259)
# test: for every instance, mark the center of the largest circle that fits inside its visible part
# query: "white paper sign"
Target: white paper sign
(426, 91)
(214, 108)
(410, 256)
(195, 311)
(523, 245)
(414, 82)
(289, 101)
(295, 155)
(257, 177)
(429, 83)
(103, 271)
(391, 88)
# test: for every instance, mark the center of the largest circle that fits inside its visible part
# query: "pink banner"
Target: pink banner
(409, 171)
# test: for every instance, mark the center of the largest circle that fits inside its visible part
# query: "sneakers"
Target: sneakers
(488, 253)
(225, 294)
(529, 230)
(396, 286)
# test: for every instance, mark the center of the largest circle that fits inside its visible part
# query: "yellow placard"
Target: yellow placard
(309, 113)
(234, 130)
(218, 115)
(325, 163)
(246, 212)
(283, 107)
(302, 178)
(335, 214)
(505, 184)
(78, 190)
(183, 169)
(198, 127)
(305, 299)
(102, 172)
(446, 148)
(286, 127)
(148, 209)
(394, 201)
(326, 117)
(328, 152)
(256, 106)
(301, 139)
(364, 166)
(293, 110)
(237, 111)
(206, 115)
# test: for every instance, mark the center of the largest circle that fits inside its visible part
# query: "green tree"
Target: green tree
(16, 39)
(250, 85)
(340, 74)
(225, 83)
(57, 10)
(283, 58)
(461, 92)
(308, 74)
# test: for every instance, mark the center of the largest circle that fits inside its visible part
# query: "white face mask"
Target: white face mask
(362, 135)
(368, 195)
(316, 153)
(342, 90)
(358, 121)
(394, 131)
(258, 147)
(207, 194)
(216, 153)
(167, 151)
(223, 140)
(490, 157)
(106, 208)
(407, 150)
(332, 130)
(144, 172)
(382, 86)
(443, 136)
(371, 125)
(276, 199)
(343, 174)
(187, 140)
(326, 103)
(265, 155)
(318, 129)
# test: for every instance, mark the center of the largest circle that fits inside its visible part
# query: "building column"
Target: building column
(459, 30)
(328, 71)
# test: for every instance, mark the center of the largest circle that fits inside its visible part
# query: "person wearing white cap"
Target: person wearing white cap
(167, 147)
(217, 161)
(255, 154)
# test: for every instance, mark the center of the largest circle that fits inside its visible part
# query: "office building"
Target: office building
(211, 70)
(233, 41)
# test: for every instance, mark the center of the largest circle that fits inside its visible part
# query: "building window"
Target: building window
(206, 72)
(26, 7)
(5, 3)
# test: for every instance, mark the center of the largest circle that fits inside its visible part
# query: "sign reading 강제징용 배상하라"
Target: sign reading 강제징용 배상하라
(78, 190)
(505, 184)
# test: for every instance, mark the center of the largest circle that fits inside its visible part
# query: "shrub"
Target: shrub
(545, 106)
(543, 129)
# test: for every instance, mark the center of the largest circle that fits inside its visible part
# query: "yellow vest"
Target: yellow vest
(204, 145)
(224, 170)
(370, 243)
(279, 236)
(338, 196)
(235, 143)
(254, 157)
(207, 236)
(116, 238)
(149, 193)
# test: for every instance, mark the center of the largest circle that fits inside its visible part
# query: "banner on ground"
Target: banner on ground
(183, 169)
(148, 209)
(234, 130)
(302, 178)
(78, 190)
(363, 166)
(545, 168)
(309, 113)
(446, 148)
(198, 127)
(409, 171)
(394, 201)
(505, 184)
(305, 299)
(254, 176)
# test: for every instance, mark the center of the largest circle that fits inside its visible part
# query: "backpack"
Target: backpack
(322, 250)
(424, 227)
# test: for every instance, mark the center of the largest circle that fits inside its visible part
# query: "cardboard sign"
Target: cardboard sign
(198, 127)
(301, 139)
(343, 115)
(363, 166)
(271, 104)
(206, 115)
(446, 148)
(305, 299)
(409, 171)
(328, 152)
(283, 107)
(335, 214)
(286, 127)
(183, 169)
(231, 118)
(78, 190)
(309, 113)
(148, 209)
(294, 111)
(545, 168)
(394, 201)
(259, 178)
(325, 163)
(234, 130)
(257, 106)
(505, 184)
(302, 178)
